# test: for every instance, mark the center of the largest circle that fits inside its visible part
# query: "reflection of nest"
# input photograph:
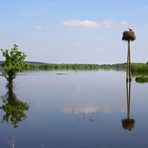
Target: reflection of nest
(128, 35)
(128, 124)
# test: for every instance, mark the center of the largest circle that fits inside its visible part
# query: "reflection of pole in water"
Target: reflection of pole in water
(128, 93)
(128, 123)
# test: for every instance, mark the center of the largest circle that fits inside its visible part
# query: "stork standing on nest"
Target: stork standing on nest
(130, 29)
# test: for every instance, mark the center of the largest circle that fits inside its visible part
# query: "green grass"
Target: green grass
(141, 79)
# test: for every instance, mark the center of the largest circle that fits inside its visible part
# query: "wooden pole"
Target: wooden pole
(128, 80)
(129, 60)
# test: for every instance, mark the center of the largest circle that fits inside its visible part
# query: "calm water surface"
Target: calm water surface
(73, 110)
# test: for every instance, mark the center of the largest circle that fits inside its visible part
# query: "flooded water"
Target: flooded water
(68, 109)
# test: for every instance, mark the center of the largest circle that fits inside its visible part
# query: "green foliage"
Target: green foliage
(14, 108)
(64, 67)
(117, 67)
(14, 63)
(139, 67)
(141, 79)
(136, 68)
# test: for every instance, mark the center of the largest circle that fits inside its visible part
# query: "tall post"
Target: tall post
(129, 61)
(128, 85)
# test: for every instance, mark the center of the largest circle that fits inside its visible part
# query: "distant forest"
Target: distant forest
(136, 68)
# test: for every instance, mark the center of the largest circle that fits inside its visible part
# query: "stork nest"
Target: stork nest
(128, 36)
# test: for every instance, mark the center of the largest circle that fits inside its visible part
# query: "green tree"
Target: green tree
(14, 63)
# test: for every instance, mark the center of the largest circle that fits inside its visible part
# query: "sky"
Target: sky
(74, 31)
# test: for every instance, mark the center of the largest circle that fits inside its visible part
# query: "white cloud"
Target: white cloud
(107, 24)
(107, 108)
(79, 23)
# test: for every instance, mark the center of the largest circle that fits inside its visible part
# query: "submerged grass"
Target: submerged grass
(141, 79)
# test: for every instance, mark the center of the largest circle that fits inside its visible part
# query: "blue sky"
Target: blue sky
(74, 31)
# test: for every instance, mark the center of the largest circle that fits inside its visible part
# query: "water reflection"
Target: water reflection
(128, 123)
(13, 108)
(88, 108)
(85, 109)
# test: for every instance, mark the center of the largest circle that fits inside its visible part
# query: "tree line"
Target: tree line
(64, 67)
(15, 62)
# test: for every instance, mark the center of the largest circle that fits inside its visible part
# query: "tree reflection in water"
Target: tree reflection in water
(14, 108)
